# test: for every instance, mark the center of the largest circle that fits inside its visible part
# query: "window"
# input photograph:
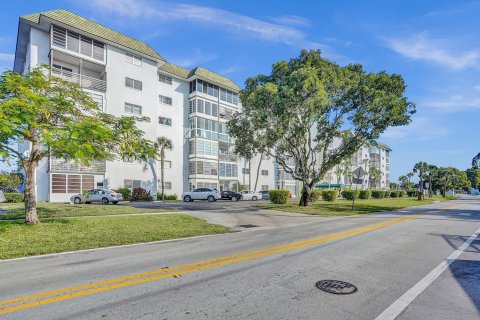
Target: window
(132, 184)
(245, 171)
(167, 185)
(131, 160)
(133, 109)
(71, 183)
(59, 183)
(203, 147)
(165, 100)
(167, 164)
(203, 167)
(62, 68)
(165, 121)
(133, 59)
(228, 170)
(98, 99)
(164, 79)
(264, 187)
(71, 41)
(264, 172)
(228, 96)
(204, 87)
(132, 83)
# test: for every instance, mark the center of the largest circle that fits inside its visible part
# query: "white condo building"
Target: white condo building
(127, 77)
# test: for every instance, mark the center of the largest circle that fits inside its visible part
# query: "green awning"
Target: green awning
(329, 186)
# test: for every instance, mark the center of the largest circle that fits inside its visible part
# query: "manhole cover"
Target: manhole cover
(336, 286)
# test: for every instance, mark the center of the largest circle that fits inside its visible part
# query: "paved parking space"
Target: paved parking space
(239, 215)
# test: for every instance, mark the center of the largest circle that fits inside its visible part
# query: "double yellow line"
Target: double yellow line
(39, 299)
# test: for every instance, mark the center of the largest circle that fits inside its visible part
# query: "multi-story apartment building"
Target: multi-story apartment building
(127, 77)
(354, 172)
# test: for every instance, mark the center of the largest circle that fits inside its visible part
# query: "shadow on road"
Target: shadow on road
(467, 274)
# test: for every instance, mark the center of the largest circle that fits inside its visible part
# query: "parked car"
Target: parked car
(104, 196)
(251, 195)
(265, 195)
(231, 195)
(201, 194)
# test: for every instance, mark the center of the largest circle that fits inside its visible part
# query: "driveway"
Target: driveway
(239, 216)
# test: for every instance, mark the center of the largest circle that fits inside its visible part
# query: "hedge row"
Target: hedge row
(279, 196)
(329, 195)
(13, 197)
(167, 196)
(364, 194)
(350, 194)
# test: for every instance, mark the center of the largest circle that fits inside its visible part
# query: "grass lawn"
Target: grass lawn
(344, 207)
(59, 235)
(61, 210)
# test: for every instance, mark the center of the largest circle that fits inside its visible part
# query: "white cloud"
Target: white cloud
(453, 102)
(283, 31)
(439, 51)
(194, 58)
(421, 128)
(7, 57)
(291, 20)
(476, 87)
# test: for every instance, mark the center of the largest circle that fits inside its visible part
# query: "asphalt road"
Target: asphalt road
(417, 263)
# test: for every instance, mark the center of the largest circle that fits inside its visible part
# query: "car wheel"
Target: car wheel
(77, 200)
(105, 201)
(187, 199)
(254, 198)
(234, 198)
(210, 198)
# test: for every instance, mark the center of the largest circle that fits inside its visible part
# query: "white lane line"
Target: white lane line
(407, 298)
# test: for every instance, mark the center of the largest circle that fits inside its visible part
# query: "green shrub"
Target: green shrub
(278, 196)
(394, 194)
(13, 197)
(386, 194)
(412, 193)
(350, 194)
(329, 195)
(364, 194)
(125, 192)
(401, 193)
(140, 194)
(315, 195)
(378, 194)
(167, 196)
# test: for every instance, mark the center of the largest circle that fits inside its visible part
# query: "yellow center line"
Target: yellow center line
(35, 300)
(452, 206)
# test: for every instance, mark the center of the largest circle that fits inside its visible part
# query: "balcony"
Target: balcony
(85, 82)
(72, 166)
(227, 157)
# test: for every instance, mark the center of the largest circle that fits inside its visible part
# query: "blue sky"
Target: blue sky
(435, 45)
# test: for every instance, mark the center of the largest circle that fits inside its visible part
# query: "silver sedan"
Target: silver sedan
(104, 196)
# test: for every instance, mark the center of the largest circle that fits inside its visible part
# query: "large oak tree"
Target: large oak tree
(298, 110)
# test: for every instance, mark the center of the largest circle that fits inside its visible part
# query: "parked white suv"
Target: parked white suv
(251, 195)
(201, 194)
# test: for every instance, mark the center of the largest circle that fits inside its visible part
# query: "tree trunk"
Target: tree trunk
(305, 196)
(258, 171)
(162, 177)
(430, 188)
(154, 188)
(250, 173)
(31, 216)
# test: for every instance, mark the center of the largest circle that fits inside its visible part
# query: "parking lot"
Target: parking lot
(238, 215)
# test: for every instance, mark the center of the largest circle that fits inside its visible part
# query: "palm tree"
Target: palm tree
(161, 144)
(421, 168)
(339, 172)
(374, 176)
(410, 176)
(432, 170)
(366, 162)
(404, 181)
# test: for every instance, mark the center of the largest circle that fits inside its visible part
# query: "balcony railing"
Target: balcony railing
(84, 81)
(227, 157)
(62, 165)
